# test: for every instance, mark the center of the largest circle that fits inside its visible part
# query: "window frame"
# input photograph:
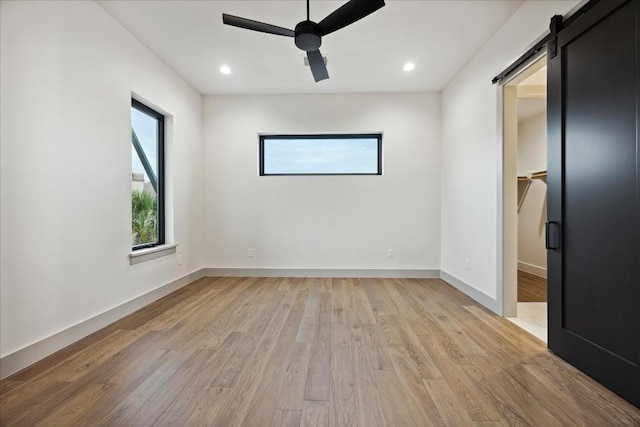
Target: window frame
(143, 108)
(374, 135)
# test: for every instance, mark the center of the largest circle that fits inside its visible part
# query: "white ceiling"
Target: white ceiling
(539, 78)
(367, 56)
(530, 107)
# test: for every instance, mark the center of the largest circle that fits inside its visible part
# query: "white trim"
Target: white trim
(148, 254)
(532, 269)
(507, 286)
(500, 291)
(20, 359)
(509, 197)
(484, 299)
(321, 272)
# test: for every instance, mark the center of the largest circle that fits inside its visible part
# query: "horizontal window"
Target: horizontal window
(333, 154)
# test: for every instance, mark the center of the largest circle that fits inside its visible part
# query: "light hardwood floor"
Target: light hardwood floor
(531, 288)
(309, 352)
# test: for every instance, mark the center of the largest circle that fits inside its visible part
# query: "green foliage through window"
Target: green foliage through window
(144, 217)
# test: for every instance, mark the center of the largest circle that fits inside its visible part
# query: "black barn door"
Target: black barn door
(593, 232)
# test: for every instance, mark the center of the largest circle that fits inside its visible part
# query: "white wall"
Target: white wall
(323, 222)
(532, 157)
(470, 147)
(67, 73)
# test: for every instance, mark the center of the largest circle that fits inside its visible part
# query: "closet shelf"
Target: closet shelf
(524, 182)
(538, 175)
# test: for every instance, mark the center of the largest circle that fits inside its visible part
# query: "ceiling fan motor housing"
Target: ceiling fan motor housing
(307, 37)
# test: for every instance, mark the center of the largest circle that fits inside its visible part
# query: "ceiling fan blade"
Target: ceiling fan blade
(347, 14)
(250, 24)
(317, 65)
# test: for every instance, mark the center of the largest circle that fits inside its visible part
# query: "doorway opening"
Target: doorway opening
(524, 260)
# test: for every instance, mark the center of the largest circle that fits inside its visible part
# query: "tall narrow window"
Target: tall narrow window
(327, 154)
(147, 176)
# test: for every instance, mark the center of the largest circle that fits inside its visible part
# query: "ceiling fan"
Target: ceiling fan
(308, 34)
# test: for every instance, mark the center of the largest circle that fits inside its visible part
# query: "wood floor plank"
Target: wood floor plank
(124, 412)
(317, 386)
(473, 398)
(389, 326)
(309, 319)
(447, 403)
(233, 364)
(378, 297)
(276, 336)
(31, 407)
(244, 390)
(157, 404)
(403, 344)
(342, 408)
(453, 327)
(85, 361)
(211, 320)
(423, 405)
(593, 400)
(68, 413)
(507, 331)
(428, 326)
(315, 414)
(283, 284)
(187, 401)
(286, 418)
(258, 409)
(531, 288)
(210, 404)
(230, 352)
(483, 374)
(528, 377)
(338, 314)
(366, 389)
(506, 388)
(25, 408)
(190, 302)
(125, 376)
(140, 318)
(360, 303)
(398, 409)
(378, 353)
(290, 390)
(403, 300)
(7, 387)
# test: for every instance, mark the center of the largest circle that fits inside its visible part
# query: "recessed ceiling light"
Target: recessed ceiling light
(225, 69)
(409, 66)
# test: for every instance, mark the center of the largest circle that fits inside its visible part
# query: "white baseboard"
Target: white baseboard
(532, 269)
(315, 272)
(20, 359)
(484, 299)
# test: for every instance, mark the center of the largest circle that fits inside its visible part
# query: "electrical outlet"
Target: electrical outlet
(467, 264)
(179, 259)
(391, 253)
(250, 253)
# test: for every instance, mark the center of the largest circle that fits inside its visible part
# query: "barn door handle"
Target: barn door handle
(547, 235)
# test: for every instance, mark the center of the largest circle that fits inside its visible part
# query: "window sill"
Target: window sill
(151, 253)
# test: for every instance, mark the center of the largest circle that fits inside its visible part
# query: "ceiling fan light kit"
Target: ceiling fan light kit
(308, 34)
